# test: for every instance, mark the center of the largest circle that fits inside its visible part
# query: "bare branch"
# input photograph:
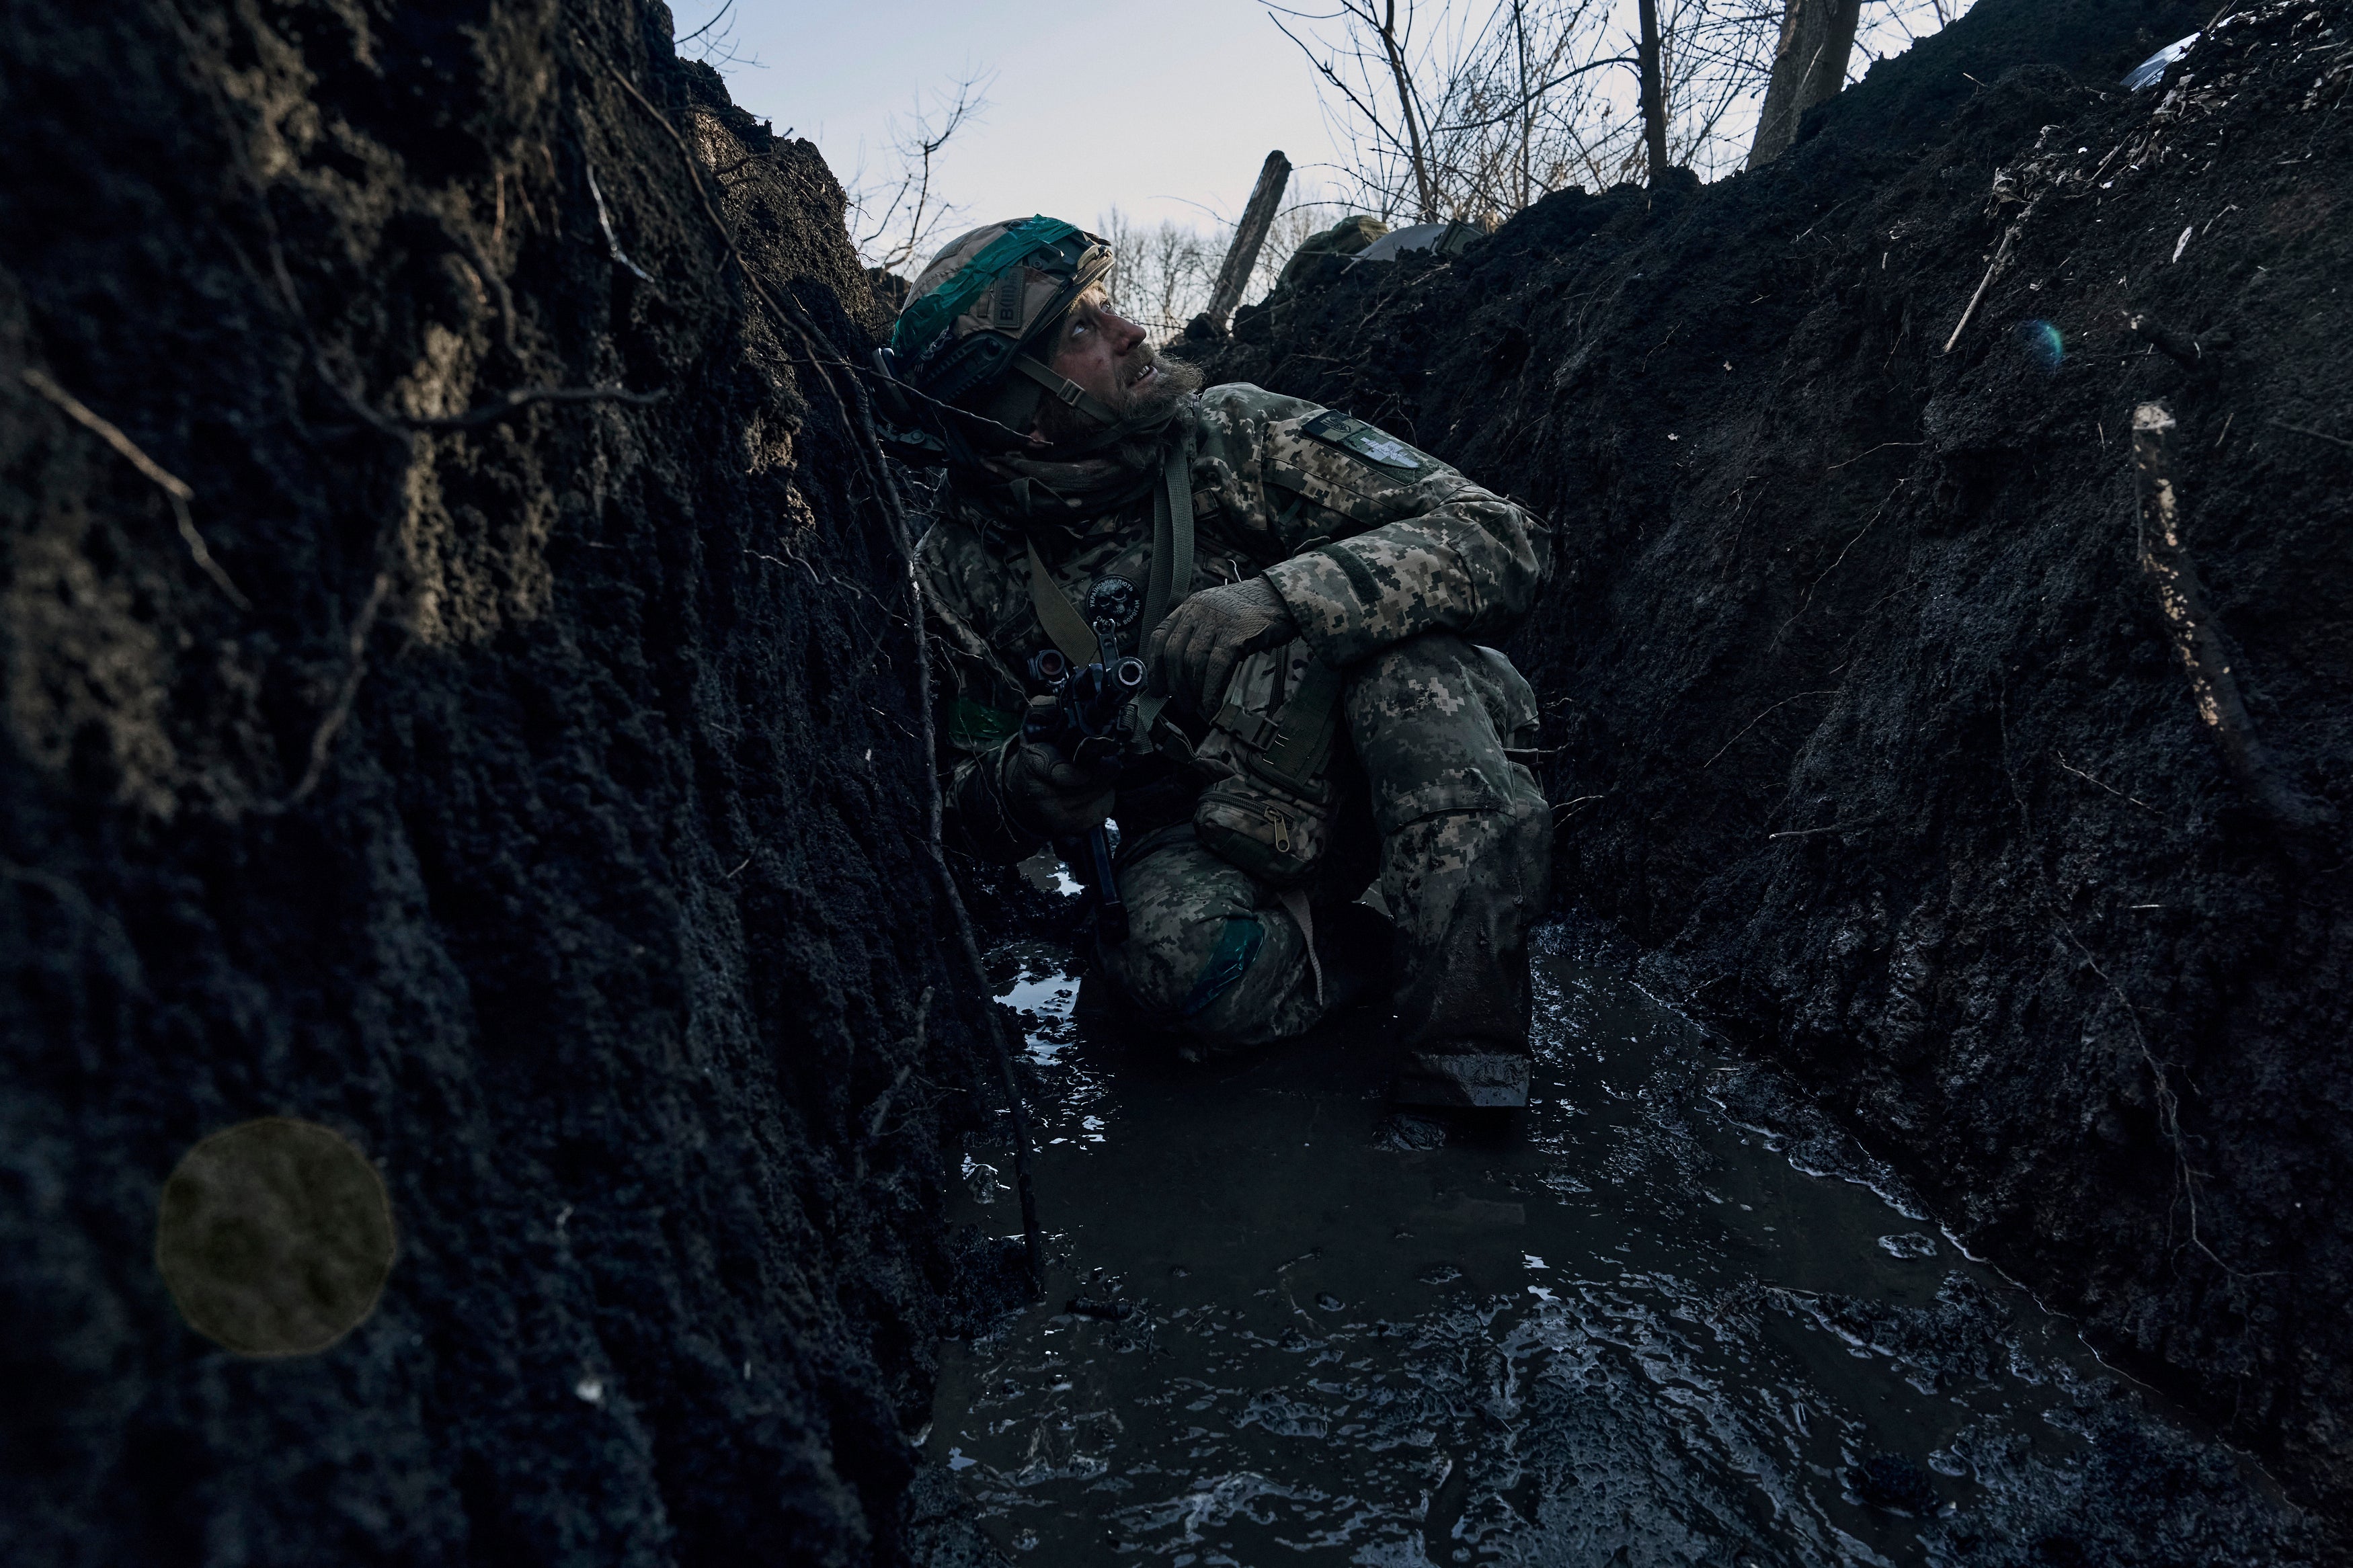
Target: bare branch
(895, 222)
(1530, 97)
(716, 17)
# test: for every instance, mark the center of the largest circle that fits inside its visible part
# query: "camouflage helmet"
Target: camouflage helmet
(982, 300)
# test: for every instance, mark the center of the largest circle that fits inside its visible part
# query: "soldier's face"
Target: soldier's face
(1105, 353)
(1108, 357)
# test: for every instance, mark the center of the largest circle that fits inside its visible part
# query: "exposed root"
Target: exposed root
(163, 479)
(2061, 758)
(1822, 691)
(1806, 600)
(869, 447)
(2168, 1104)
(2316, 434)
(523, 398)
(2169, 1114)
(347, 693)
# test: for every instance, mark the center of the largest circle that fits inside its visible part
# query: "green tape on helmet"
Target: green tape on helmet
(924, 319)
(954, 343)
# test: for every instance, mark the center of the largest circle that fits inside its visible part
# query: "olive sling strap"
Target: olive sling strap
(1172, 539)
(1063, 624)
(1171, 575)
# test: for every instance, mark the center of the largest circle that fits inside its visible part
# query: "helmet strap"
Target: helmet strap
(1064, 389)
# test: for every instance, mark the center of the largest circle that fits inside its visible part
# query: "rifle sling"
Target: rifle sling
(1171, 575)
(1059, 615)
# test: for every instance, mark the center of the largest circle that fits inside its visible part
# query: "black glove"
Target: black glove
(1195, 650)
(1046, 796)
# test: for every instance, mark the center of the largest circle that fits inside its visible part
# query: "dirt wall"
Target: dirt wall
(531, 791)
(1867, 718)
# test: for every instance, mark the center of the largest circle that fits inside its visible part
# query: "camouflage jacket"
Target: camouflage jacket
(1368, 541)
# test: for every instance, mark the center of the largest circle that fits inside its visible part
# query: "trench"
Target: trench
(1660, 1317)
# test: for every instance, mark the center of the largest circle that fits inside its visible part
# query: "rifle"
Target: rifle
(1084, 713)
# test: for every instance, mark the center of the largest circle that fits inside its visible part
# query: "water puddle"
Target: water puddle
(1667, 1320)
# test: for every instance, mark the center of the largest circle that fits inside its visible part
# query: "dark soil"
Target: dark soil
(553, 824)
(1867, 720)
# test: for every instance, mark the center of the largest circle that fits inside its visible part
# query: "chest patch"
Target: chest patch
(1356, 436)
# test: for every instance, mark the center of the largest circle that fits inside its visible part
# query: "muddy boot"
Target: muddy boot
(1466, 855)
(1464, 998)
(1358, 946)
(1467, 1074)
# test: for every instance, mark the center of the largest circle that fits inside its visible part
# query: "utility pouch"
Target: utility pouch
(1269, 806)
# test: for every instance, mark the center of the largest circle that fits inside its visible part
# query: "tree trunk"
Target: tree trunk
(1654, 90)
(1808, 68)
(1394, 49)
(1250, 234)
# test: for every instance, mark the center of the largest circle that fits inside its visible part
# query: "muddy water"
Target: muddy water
(1670, 1316)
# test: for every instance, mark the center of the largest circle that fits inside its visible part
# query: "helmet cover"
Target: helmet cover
(983, 298)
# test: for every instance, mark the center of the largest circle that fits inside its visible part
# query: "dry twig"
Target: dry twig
(2316, 434)
(1994, 269)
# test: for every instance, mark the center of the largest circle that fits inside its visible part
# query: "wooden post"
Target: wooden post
(1654, 90)
(1808, 68)
(1249, 236)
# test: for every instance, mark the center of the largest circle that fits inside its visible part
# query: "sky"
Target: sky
(1166, 110)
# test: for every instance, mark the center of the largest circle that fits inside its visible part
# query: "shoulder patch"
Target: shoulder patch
(1354, 436)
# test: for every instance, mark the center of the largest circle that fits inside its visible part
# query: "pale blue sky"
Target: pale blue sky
(1162, 109)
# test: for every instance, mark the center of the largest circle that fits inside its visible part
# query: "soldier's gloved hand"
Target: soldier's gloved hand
(1048, 796)
(1196, 648)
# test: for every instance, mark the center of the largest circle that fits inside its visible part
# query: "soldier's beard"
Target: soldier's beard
(1144, 403)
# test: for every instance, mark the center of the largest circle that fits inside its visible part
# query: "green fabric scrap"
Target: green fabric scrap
(1237, 945)
(973, 727)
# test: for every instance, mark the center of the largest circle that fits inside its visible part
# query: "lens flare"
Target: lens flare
(2042, 342)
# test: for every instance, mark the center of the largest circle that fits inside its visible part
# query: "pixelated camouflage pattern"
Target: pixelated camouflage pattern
(1179, 898)
(1389, 573)
(1387, 554)
(1460, 837)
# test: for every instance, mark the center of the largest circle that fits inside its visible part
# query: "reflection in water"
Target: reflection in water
(1641, 1327)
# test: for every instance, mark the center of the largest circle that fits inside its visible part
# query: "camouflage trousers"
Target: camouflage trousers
(1456, 833)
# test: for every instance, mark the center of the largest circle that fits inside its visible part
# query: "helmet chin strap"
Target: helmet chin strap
(1063, 389)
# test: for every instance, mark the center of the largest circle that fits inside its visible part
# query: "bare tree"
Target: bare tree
(1163, 275)
(1654, 90)
(1474, 108)
(1809, 68)
(894, 221)
(1465, 111)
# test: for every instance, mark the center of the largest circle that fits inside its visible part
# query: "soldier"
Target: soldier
(1309, 596)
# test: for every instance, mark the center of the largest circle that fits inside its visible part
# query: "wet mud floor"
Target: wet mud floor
(1671, 1316)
